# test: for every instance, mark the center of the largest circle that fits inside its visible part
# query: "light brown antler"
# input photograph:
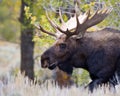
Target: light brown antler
(55, 26)
(83, 22)
(61, 19)
(98, 17)
(77, 23)
(43, 30)
(58, 28)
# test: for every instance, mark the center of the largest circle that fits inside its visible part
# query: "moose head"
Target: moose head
(69, 39)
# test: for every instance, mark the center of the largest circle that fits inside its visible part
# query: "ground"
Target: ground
(9, 57)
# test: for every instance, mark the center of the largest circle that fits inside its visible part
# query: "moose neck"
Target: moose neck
(81, 52)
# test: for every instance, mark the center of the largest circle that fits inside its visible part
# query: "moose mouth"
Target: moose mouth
(53, 65)
(48, 64)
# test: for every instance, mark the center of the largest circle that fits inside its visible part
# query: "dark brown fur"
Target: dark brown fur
(97, 52)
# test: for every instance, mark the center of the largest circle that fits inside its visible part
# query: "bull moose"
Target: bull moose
(97, 52)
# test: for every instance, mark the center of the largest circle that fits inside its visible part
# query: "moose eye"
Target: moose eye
(62, 46)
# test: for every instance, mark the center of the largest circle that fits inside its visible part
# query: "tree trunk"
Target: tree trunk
(27, 45)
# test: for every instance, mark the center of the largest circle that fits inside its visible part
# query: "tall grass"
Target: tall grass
(21, 86)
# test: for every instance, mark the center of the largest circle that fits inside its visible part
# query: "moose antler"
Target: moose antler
(98, 17)
(82, 22)
(43, 30)
(61, 19)
(77, 23)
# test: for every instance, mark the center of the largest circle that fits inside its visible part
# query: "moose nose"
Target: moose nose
(45, 62)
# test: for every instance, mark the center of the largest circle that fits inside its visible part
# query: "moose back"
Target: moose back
(97, 52)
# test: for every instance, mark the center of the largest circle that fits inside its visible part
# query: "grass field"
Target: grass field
(21, 86)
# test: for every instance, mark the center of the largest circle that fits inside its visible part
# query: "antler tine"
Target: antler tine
(86, 17)
(81, 29)
(56, 27)
(88, 21)
(110, 10)
(68, 32)
(61, 16)
(43, 30)
(98, 17)
(79, 26)
(50, 21)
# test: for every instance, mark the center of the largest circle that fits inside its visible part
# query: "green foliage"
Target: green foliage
(9, 24)
(85, 7)
(81, 77)
(113, 20)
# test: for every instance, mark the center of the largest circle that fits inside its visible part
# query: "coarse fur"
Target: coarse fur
(97, 52)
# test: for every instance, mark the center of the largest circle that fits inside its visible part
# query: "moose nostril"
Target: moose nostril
(44, 66)
(45, 62)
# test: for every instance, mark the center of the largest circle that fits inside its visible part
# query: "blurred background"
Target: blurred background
(20, 47)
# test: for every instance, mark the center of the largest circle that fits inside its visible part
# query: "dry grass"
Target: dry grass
(22, 87)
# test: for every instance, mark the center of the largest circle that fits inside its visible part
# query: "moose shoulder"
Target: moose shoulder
(97, 52)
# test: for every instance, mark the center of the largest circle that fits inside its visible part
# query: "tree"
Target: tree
(27, 45)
